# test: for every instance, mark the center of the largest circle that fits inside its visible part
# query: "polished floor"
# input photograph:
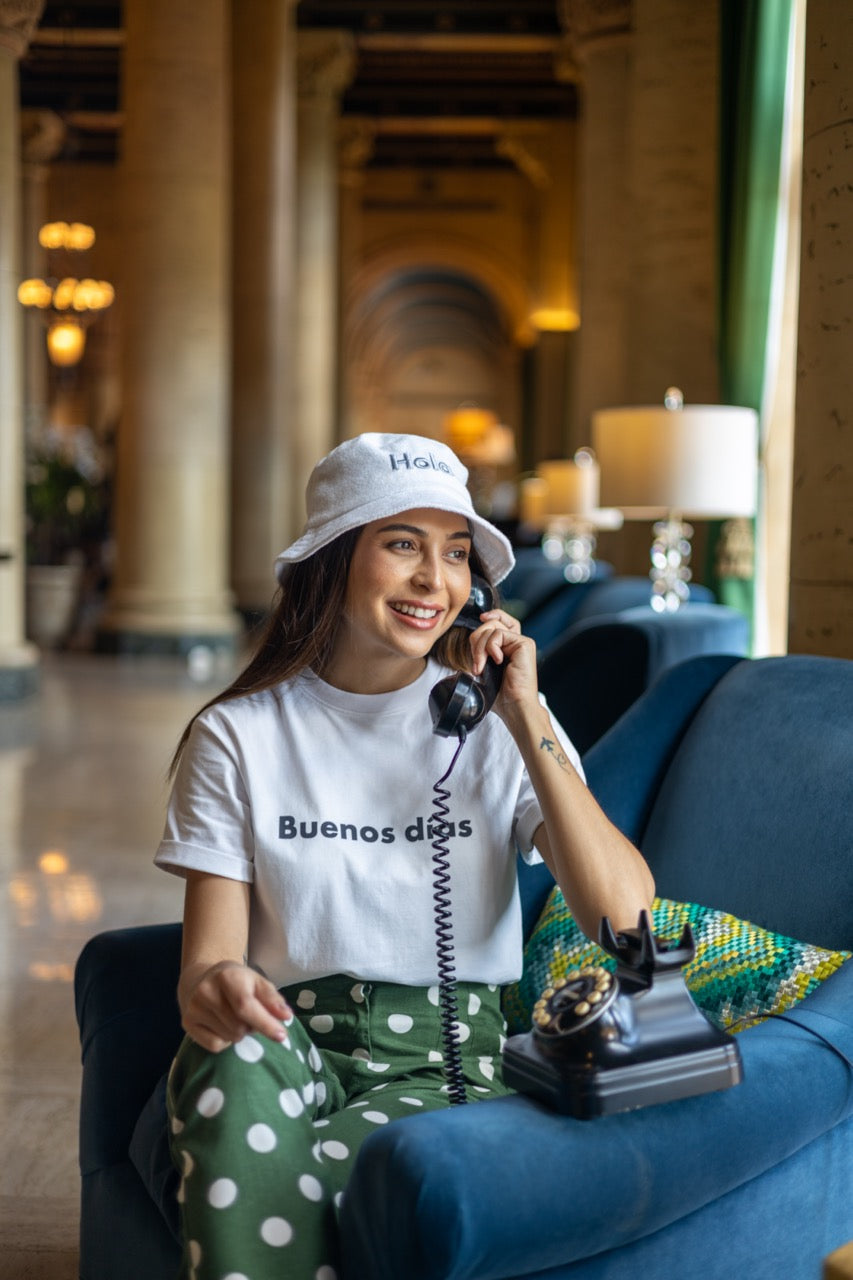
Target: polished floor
(82, 797)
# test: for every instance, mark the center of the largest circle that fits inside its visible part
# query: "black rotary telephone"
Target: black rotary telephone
(459, 702)
(604, 1042)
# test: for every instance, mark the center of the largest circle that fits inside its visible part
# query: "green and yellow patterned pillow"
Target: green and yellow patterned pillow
(739, 975)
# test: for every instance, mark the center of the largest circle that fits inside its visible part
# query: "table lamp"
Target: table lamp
(666, 462)
(562, 500)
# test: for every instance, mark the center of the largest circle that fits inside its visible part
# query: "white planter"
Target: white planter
(53, 592)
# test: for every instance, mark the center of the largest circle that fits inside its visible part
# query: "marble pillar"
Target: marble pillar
(264, 314)
(821, 589)
(326, 62)
(170, 590)
(599, 37)
(42, 138)
(672, 201)
(19, 661)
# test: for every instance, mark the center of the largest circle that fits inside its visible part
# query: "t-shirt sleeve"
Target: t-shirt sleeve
(528, 814)
(208, 820)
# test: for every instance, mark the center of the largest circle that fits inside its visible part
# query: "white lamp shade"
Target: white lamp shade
(572, 487)
(701, 460)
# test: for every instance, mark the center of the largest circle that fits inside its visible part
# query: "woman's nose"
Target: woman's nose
(430, 572)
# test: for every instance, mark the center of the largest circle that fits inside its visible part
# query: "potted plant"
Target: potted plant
(66, 525)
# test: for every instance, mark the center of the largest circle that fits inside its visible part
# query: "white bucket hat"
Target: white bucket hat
(376, 475)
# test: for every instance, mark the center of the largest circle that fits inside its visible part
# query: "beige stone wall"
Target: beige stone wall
(821, 596)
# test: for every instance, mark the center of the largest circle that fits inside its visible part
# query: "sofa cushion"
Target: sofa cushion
(739, 975)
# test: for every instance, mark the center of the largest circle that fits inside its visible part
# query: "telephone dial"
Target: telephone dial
(604, 1042)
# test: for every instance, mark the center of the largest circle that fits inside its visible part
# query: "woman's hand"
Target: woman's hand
(222, 1003)
(499, 640)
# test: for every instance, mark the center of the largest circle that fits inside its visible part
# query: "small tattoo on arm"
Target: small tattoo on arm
(554, 749)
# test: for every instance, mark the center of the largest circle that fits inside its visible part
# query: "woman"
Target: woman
(303, 819)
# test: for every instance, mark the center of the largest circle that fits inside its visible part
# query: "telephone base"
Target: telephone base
(585, 1092)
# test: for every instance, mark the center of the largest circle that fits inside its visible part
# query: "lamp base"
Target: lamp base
(573, 543)
(670, 572)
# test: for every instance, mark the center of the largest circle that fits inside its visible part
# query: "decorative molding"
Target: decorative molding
(18, 21)
(588, 22)
(522, 144)
(43, 135)
(325, 62)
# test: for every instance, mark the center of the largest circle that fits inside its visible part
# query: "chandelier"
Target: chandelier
(66, 303)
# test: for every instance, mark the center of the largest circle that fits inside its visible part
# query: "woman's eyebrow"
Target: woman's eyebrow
(422, 533)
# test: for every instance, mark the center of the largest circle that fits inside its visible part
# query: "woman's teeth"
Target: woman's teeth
(415, 611)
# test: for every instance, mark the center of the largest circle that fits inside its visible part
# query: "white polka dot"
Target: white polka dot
(276, 1232)
(400, 1022)
(435, 1056)
(308, 1093)
(322, 1023)
(334, 1150)
(375, 1088)
(317, 1152)
(352, 1105)
(493, 986)
(487, 1068)
(357, 993)
(235, 1275)
(361, 1054)
(211, 1102)
(222, 1193)
(188, 1163)
(177, 1125)
(290, 1103)
(311, 1187)
(375, 1117)
(378, 1066)
(261, 1138)
(320, 1093)
(412, 1102)
(301, 1056)
(463, 1031)
(249, 1049)
(481, 1088)
(194, 1250)
(326, 1273)
(321, 1124)
(181, 1193)
(306, 999)
(474, 1003)
(339, 1199)
(315, 1062)
(432, 996)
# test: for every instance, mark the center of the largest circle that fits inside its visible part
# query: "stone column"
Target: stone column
(821, 595)
(326, 65)
(170, 590)
(42, 138)
(599, 37)
(672, 201)
(18, 660)
(264, 315)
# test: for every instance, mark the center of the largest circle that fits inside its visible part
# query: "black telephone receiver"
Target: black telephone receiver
(459, 702)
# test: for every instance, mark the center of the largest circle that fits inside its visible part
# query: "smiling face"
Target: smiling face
(408, 579)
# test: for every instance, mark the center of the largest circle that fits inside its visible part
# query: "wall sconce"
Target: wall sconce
(666, 462)
(562, 500)
(67, 305)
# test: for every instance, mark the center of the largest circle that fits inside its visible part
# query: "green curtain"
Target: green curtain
(754, 44)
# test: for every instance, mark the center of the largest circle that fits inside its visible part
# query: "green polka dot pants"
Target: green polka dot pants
(264, 1135)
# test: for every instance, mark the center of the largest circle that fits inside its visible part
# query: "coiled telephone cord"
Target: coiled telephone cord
(447, 1001)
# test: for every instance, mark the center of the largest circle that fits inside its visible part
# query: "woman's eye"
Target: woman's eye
(460, 554)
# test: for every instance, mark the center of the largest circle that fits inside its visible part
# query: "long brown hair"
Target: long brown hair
(302, 627)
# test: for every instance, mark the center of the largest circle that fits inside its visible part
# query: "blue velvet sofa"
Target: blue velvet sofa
(600, 665)
(735, 777)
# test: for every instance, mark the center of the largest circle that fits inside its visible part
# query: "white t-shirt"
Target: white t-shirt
(323, 801)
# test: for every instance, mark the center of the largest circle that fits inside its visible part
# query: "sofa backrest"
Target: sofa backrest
(755, 812)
